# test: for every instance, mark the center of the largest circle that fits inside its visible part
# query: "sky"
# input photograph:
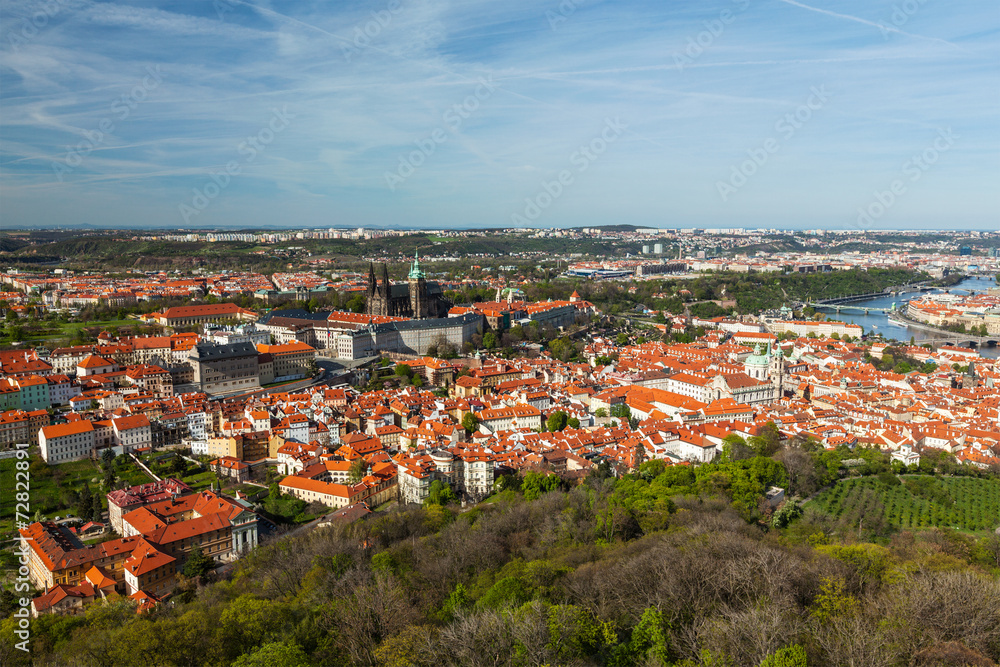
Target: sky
(422, 113)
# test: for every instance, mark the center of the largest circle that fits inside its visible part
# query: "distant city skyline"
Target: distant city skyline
(399, 114)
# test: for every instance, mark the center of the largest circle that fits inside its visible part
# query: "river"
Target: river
(879, 323)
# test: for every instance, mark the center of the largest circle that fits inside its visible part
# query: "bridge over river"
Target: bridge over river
(851, 309)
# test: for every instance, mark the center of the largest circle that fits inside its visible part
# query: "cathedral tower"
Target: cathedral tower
(418, 289)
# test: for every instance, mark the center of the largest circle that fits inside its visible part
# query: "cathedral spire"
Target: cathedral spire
(415, 271)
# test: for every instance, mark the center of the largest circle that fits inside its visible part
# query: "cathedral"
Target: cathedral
(418, 298)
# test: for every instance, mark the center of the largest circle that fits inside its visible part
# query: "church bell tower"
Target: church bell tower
(418, 289)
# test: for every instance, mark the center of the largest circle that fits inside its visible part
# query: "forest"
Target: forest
(752, 292)
(665, 566)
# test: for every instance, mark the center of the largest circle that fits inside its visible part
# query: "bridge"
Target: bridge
(961, 340)
(850, 298)
(849, 309)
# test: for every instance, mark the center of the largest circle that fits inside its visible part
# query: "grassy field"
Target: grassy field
(197, 477)
(50, 488)
(71, 329)
(918, 501)
(52, 330)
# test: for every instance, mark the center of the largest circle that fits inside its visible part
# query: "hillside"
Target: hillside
(916, 501)
(665, 567)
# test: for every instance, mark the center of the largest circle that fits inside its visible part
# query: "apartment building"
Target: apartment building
(292, 360)
(220, 369)
(66, 442)
(213, 312)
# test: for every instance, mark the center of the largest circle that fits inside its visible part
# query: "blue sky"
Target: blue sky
(746, 113)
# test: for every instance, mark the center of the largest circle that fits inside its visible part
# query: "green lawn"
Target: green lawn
(54, 330)
(920, 501)
(197, 479)
(52, 489)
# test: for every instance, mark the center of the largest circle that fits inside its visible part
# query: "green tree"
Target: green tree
(489, 340)
(404, 370)
(198, 563)
(85, 506)
(249, 621)
(356, 304)
(621, 411)
(178, 466)
(790, 656)
(650, 641)
(470, 422)
(535, 484)
(357, 471)
(274, 654)
(767, 442)
(440, 493)
(557, 421)
(735, 448)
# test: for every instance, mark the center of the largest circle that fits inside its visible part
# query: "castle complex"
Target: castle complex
(418, 298)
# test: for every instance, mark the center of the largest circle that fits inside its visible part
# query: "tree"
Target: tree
(404, 370)
(470, 422)
(734, 448)
(621, 411)
(85, 506)
(767, 442)
(557, 421)
(357, 471)
(535, 484)
(274, 654)
(418, 381)
(440, 494)
(791, 656)
(198, 563)
(489, 340)
(601, 413)
(109, 477)
(356, 304)
(178, 466)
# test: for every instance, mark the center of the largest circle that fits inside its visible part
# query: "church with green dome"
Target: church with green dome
(766, 365)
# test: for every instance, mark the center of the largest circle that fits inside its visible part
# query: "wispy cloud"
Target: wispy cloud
(223, 73)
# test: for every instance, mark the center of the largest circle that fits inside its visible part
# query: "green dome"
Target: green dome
(758, 358)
